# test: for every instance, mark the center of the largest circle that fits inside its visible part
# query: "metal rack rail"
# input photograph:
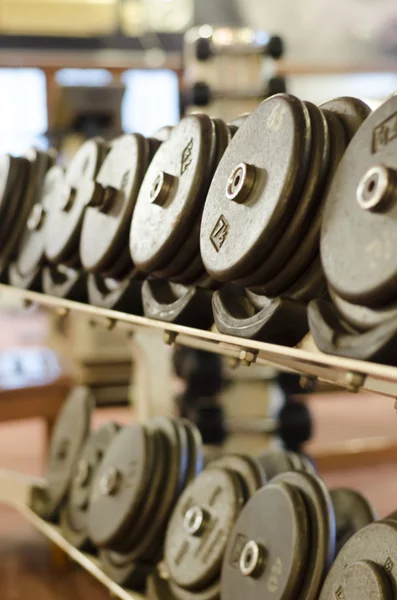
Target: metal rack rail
(306, 359)
(15, 492)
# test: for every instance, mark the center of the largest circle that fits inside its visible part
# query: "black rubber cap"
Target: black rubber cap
(201, 94)
(275, 47)
(276, 85)
(203, 49)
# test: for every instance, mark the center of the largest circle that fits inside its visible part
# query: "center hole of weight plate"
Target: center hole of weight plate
(62, 450)
(195, 520)
(83, 473)
(36, 217)
(376, 188)
(240, 182)
(110, 481)
(252, 559)
(161, 188)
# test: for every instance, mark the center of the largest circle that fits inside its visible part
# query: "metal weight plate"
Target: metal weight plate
(309, 200)
(321, 527)
(352, 512)
(172, 193)
(163, 134)
(266, 555)
(199, 527)
(240, 120)
(274, 462)
(9, 167)
(309, 245)
(241, 313)
(37, 163)
(311, 284)
(175, 437)
(362, 317)
(120, 485)
(65, 218)
(64, 282)
(255, 188)
(106, 224)
(31, 247)
(211, 592)
(74, 514)
(351, 111)
(175, 303)
(359, 219)
(124, 295)
(70, 433)
(376, 543)
(195, 451)
(123, 571)
(247, 468)
(363, 580)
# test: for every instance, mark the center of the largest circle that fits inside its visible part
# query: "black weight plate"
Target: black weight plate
(275, 142)
(195, 451)
(65, 219)
(64, 282)
(376, 543)
(106, 226)
(247, 467)
(309, 200)
(357, 245)
(74, 514)
(31, 180)
(123, 571)
(69, 435)
(120, 485)
(199, 527)
(362, 580)
(31, 247)
(274, 462)
(309, 245)
(123, 295)
(352, 512)
(351, 111)
(266, 555)
(188, 265)
(321, 526)
(159, 229)
(362, 317)
(176, 455)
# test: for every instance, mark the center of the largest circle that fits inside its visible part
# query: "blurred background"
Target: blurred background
(73, 69)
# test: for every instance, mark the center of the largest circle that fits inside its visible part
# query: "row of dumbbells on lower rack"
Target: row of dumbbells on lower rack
(160, 520)
(278, 222)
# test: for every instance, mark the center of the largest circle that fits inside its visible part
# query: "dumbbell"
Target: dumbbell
(202, 94)
(262, 216)
(64, 276)
(21, 187)
(206, 47)
(69, 436)
(164, 237)
(359, 320)
(113, 280)
(143, 472)
(365, 566)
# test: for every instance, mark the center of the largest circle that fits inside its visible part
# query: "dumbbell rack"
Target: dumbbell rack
(305, 360)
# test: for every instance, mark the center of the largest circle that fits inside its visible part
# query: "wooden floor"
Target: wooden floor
(26, 569)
